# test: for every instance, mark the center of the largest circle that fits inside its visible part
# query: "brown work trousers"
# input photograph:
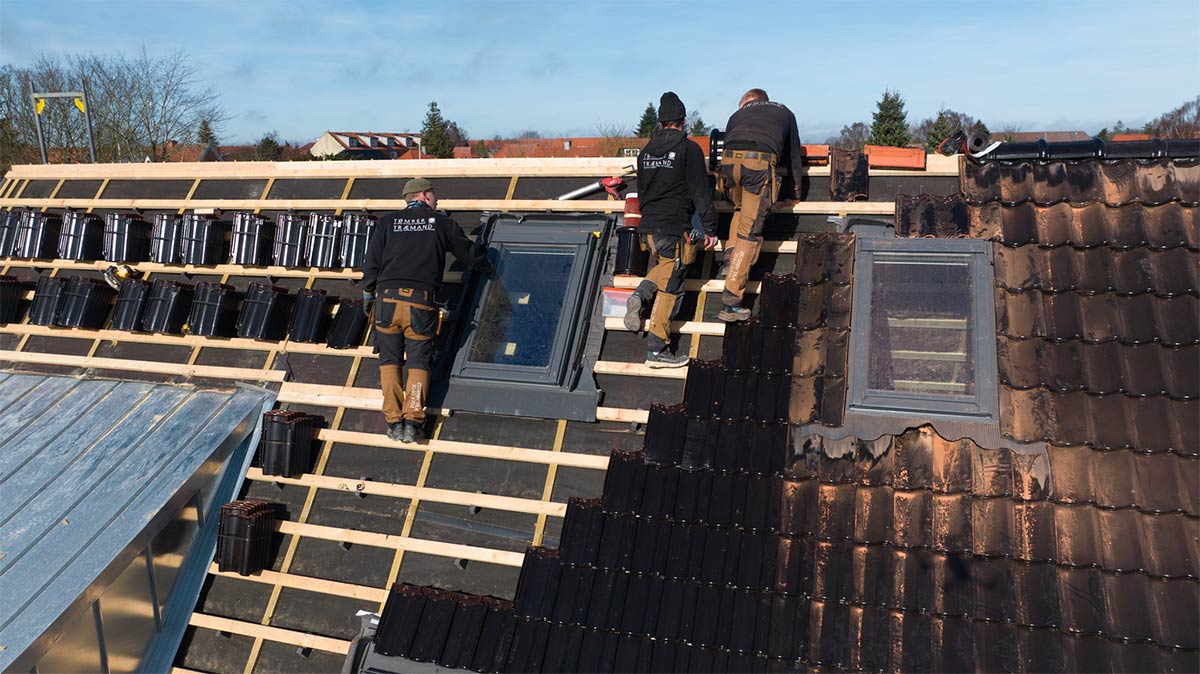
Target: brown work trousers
(748, 180)
(405, 324)
(671, 256)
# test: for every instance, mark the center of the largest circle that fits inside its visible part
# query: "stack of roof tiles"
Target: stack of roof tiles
(1073, 547)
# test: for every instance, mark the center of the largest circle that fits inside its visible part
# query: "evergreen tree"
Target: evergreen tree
(267, 148)
(889, 125)
(1104, 134)
(648, 123)
(696, 125)
(942, 129)
(205, 134)
(979, 127)
(435, 134)
(480, 149)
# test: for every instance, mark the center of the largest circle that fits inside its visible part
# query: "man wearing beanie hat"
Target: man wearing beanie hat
(759, 137)
(672, 188)
(402, 275)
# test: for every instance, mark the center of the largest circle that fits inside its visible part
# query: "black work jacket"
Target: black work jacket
(672, 184)
(408, 249)
(767, 126)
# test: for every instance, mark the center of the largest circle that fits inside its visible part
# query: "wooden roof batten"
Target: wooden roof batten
(379, 168)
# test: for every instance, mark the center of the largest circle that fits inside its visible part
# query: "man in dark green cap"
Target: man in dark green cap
(402, 275)
(677, 220)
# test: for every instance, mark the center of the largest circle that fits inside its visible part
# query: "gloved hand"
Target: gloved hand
(368, 302)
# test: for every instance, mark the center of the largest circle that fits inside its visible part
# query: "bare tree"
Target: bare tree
(611, 136)
(1182, 122)
(852, 137)
(137, 104)
(168, 104)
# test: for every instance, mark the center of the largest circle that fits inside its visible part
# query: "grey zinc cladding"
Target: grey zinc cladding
(90, 471)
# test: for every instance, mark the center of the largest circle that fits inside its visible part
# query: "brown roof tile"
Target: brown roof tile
(1113, 182)
(1170, 272)
(824, 272)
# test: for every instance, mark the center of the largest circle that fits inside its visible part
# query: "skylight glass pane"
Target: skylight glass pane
(523, 306)
(920, 324)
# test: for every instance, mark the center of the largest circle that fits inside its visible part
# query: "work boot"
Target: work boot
(410, 433)
(664, 359)
(633, 312)
(395, 430)
(734, 314)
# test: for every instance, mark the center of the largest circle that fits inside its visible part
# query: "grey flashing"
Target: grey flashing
(91, 472)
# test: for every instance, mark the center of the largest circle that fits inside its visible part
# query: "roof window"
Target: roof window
(520, 351)
(923, 335)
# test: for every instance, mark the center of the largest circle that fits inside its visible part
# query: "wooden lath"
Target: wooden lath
(452, 205)
(429, 168)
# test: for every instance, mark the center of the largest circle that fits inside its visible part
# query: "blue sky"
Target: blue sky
(500, 67)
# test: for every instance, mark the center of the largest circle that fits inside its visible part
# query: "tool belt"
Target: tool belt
(750, 154)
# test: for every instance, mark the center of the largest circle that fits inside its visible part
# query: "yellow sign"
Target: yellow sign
(39, 104)
(79, 104)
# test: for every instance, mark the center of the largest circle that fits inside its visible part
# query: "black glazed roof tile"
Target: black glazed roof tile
(1100, 368)
(1170, 272)
(1087, 226)
(1133, 319)
(1112, 182)
(1155, 424)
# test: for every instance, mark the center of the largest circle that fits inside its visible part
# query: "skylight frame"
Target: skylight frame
(981, 406)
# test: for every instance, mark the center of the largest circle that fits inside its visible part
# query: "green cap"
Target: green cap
(416, 186)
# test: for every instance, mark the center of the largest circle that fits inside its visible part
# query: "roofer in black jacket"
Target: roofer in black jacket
(759, 137)
(672, 187)
(402, 274)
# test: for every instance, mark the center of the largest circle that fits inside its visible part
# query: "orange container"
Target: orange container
(882, 156)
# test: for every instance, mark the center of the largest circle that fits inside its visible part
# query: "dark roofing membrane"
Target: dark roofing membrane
(86, 467)
(911, 551)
